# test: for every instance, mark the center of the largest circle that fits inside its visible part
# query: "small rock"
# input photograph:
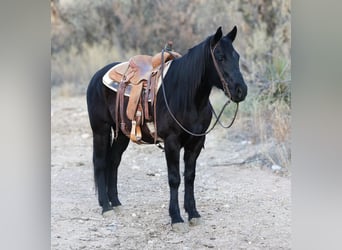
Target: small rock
(135, 167)
(276, 167)
(111, 226)
(85, 136)
(208, 245)
(246, 142)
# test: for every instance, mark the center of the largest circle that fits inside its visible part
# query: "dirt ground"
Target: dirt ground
(243, 203)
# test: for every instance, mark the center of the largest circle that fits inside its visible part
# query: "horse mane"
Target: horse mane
(186, 75)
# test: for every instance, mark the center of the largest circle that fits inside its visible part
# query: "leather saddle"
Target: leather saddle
(140, 75)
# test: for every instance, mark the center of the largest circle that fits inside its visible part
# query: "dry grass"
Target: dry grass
(269, 112)
(72, 70)
(272, 124)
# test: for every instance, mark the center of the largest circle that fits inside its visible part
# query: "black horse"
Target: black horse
(187, 86)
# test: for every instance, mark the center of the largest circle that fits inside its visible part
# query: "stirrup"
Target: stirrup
(135, 132)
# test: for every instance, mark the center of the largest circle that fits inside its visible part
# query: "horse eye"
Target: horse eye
(220, 57)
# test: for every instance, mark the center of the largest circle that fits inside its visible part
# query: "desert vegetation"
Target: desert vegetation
(86, 35)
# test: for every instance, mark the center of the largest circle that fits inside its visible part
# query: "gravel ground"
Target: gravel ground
(243, 203)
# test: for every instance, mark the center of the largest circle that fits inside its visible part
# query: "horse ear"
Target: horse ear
(232, 34)
(217, 36)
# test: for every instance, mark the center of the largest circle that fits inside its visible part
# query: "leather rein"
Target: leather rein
(225, 89)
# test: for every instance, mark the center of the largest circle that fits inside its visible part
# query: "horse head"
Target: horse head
(226, 61)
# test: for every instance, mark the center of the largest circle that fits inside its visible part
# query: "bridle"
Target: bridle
(223, 81)
(225, 89)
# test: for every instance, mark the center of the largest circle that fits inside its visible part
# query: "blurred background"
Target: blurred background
(86, 35)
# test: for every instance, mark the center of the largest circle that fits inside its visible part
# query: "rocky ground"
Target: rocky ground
(243, 202)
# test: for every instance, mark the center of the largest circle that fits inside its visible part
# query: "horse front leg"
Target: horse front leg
(191, 153)
(172, 149)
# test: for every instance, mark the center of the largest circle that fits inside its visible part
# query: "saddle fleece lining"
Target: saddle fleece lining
(107, 81)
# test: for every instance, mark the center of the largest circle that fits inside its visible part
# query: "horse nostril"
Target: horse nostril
(238, 92)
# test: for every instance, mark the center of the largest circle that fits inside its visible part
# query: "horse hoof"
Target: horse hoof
(195, 222)
(108, 214)
(117, 209)
(180, 227)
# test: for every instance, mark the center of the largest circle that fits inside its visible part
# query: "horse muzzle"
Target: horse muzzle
(240, 92)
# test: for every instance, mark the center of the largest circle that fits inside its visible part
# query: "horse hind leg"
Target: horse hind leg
(117, 148)
(101, 147)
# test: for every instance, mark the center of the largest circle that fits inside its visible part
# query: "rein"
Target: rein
(226, 91)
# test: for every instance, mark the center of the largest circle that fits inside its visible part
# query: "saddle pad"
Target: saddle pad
(113, 85)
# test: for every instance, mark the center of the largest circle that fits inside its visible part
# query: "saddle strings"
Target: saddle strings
(176, 120)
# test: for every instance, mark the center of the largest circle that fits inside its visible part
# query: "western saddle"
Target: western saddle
(141, 73)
